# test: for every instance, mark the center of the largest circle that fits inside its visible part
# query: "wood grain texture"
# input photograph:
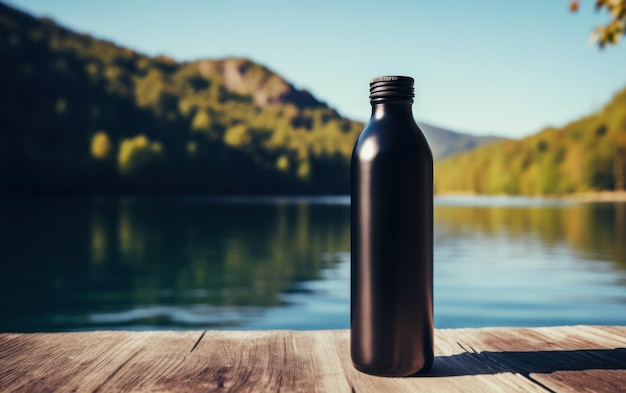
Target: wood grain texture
(578, 358)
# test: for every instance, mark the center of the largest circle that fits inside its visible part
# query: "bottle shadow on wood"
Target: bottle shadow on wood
(527, 362)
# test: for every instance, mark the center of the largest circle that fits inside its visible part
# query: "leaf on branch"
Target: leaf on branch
(612, 32)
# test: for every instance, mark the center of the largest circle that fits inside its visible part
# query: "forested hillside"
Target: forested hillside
(80, 114)
(588, 154)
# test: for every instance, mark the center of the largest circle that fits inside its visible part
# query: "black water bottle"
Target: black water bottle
(391, 325)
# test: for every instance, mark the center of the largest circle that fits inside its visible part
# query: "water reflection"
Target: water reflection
(591, 230)
(538, 265)
(180, 263)
(162, 262)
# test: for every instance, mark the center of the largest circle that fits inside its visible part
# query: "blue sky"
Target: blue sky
(498, 67)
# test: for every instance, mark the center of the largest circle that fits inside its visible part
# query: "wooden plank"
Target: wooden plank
(563, 359)
(89, 362)
(581, 358)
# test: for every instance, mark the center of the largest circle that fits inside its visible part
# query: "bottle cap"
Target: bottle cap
(391, 88)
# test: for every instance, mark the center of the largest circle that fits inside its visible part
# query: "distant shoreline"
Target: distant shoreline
(597, 196)
(591, 196)
(343, 199)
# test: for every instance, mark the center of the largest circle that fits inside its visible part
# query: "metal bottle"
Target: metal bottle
(391, 322)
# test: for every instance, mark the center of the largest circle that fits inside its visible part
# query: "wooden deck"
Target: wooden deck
(563, 359)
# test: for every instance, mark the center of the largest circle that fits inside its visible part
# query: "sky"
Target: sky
(507, 68)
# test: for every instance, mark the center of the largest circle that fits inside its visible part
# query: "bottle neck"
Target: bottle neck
(381, 109)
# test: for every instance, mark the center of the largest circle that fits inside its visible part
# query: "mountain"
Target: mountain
(82, 115)
(444, 143)
(588, 154)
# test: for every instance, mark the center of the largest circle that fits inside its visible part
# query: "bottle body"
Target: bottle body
(392, 245)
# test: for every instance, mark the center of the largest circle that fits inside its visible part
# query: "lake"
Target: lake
(283, 263)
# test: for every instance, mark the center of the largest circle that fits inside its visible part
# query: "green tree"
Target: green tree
(138, 153)
(237, 136)
(619, 160)
(101, 146)
(201, 121)
(283, 163)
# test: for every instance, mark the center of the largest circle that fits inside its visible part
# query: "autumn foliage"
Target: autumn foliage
(611, 32)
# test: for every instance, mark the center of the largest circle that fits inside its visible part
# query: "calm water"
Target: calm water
(196, 263)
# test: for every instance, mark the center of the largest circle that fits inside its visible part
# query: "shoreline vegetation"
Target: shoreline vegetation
(584, 155)
(598, 196)
(590, 196)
